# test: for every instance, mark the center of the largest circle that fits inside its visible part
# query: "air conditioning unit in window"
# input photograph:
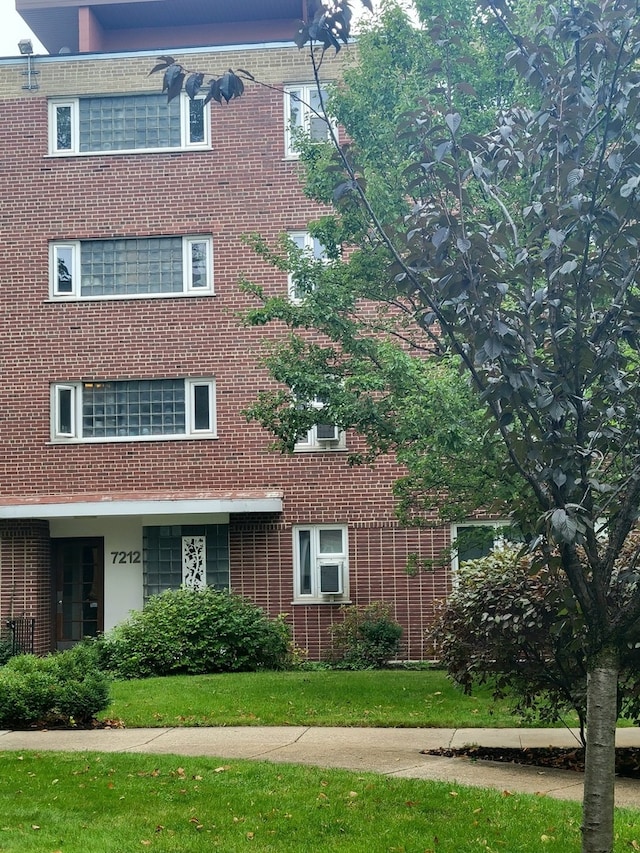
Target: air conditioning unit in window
(331, 578)
(327, 433)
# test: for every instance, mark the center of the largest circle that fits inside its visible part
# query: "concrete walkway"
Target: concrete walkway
(393, 752)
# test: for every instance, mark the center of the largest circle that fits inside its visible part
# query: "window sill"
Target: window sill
(327, 599)
(320, 448)
(55, 155)
(120, 297)
(118, 439)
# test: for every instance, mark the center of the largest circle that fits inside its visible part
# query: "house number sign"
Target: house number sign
(123, 557)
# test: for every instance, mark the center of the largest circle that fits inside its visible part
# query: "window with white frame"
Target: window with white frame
(321, 436)
(476, 539)
(299, 284)
(133, 409)
(321, 563)
(304, 114)
(113, 124)
(131, 267)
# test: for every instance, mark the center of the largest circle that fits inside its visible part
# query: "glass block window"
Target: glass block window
(121, 124)
(104, 124)
(153, 408)
(130, 267)
(133, 408)
(164, 555)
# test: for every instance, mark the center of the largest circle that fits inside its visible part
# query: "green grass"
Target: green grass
(88, 803)
(394, 698)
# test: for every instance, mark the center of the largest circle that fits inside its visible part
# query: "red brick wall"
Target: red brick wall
(262, 570)
(25, 577)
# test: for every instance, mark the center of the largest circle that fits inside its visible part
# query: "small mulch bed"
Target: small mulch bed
(627, 759)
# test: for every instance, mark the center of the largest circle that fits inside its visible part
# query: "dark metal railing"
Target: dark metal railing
(22, 635)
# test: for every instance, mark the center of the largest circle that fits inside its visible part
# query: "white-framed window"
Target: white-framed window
(131, 267)
(475, 539)
(104, 124)
(299, 285)
(303, 113)
(123, 410)
(321, 436)
(321, 563)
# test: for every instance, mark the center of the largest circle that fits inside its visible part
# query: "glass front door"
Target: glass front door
(79, 589)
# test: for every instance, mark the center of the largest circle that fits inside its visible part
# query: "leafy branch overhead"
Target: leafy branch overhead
(330, 25)
(176, 77)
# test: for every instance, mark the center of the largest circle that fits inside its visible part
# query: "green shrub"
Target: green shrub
(367, 638)
(194, 632)
(61, 689)
(6, 650)
(517, 627)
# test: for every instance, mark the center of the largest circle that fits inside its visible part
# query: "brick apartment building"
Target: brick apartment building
(126, 465)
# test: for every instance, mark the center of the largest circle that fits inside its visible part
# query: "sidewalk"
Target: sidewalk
(393, 752)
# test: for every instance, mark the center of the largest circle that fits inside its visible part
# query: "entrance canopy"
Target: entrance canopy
(144, 503)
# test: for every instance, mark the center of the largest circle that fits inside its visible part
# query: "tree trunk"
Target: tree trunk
(599, 779)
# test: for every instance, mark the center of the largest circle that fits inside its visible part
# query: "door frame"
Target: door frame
(56, 543)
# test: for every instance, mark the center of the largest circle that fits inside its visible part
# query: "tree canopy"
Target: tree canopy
(497, 233)
(511, 247)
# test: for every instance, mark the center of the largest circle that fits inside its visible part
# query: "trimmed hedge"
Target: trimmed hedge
(62, 689)
(188, 631)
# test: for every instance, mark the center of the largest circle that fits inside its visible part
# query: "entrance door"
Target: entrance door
(79, 589)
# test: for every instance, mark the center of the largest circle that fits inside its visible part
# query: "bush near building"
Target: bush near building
(62, 689)
(367, 638)
(193, 632)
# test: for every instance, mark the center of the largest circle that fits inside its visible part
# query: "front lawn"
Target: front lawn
(89, 803)
(394, 698)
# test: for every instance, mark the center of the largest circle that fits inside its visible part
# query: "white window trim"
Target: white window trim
(54, 104)
(317, 560)
(308, 248)
(187, 268)
(56, 390)
(54, 252)
(75, 295)
(306, 89)
(75, 437)
(74, 150)
(311, 442)
(191, 385)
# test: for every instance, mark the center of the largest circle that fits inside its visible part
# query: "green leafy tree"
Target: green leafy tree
(511, 249)
(517, 254)
(517, 626)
